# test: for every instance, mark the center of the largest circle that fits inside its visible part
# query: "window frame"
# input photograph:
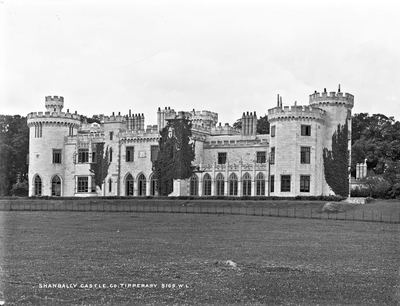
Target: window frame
(273, 130)
(305, 155)
(57, 157)
(285, 182)
(82, 185)
(305, 183)
(83, 155)
(222, 156)
(305, 130)
(129, 154)
(261, 157)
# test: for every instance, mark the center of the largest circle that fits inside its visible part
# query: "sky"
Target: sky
(227, 57)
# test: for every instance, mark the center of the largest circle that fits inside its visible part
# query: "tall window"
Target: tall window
(129, 185)
(38, 186)
(110, 154)
(305, 155)
(83, 155)
(272, 183)
(94, 160)
(305, 130)
(142, 185)
(153, 186)
(272, 156)
(304, 183)
(129, 154)
(56, 156)
(285, 183)
(71, 131)
(207, 185)
(56, 186)
(222, 158)
(38, 130)
(260, 181)
(220, 184)
(111, 135)
(273, 128)
(261, 157)
(233, 185)
(110, 185)
(153, 153)
(246, 182)
(83, 184)
(194, 185)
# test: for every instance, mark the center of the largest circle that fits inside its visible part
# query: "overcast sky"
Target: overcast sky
(224, 56)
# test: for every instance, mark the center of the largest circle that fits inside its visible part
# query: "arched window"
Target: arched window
(233, 185)
(142, 184)
(260, 184)
(194, 185)
(38, 186)
(129, 185)
(207, 185)
(246, 184)
(110, 185)
(153, 186)
(220, 184)
(56, 186)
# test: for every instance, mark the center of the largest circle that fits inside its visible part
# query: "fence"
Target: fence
(215, 208)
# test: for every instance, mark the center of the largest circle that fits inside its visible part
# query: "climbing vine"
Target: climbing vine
(336, 162)
(176, 153)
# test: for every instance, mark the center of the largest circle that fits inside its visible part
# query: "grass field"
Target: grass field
(280, 261)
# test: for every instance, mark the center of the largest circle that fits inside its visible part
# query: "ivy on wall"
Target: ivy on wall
(176, 153)
(99, 167)
(336, 162)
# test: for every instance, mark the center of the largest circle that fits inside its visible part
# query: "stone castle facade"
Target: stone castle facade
(286, 162)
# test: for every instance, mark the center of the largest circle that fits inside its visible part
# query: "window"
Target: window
(304, 183)
(71, 131)
(38, 186)
(83, 184)
(246, 182)
(129, 185)
(260, 179)
(56, 186)
(305, 155)
(153, 186)
(129, 154)
(94, 160)
(111, 135)
(273, 131)
(83, 155)
(272, 183)
(305, 130)
(38, 130)
(207, 185)
(194, 185)
(110, 185)
(272, 156)
(142, 185)
(261, 157)
(56, 156)
(221, 158)
(220, 184)
(233, 185)
(285, 183)
(153, 153)
(111, 152)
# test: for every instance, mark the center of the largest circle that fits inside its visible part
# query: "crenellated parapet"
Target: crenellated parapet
(332, 98)
(223, 130)
(296, 112)
(53, 118)
(54, 103)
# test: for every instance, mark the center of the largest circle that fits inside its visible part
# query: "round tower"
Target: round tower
(295, 146)
(47, 152)
(338, 108)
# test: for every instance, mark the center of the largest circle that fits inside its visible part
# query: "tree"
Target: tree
(377, 186)
(336, 162)
(14, 148)
(100, 166)
(176, 153)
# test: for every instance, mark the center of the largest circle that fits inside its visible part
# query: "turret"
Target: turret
(54, 103)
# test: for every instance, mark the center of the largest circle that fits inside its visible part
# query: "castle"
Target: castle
(286, 162)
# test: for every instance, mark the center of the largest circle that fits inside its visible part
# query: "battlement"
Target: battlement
(332, 98)
(54, 99)
(60, 115)
(296, 112)
(224, 130)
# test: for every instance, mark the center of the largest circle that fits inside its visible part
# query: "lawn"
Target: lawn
(279, 261)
